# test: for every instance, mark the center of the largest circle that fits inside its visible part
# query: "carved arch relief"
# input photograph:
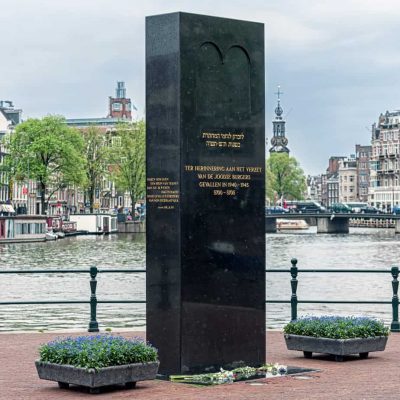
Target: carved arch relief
(223, 82)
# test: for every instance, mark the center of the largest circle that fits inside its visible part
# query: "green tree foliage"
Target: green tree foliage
(96, 155)
(284, 177)
(128, 159)
(48, 151)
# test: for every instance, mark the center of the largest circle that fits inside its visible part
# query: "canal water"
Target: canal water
(361, 249)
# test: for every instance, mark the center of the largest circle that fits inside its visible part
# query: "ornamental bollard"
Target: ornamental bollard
(395, 326)
(293, 283)
(93, 325)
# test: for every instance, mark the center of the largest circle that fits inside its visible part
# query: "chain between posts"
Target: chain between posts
(93, 324)
(293, 284)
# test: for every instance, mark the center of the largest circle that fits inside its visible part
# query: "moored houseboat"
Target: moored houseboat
(22, 228)
(62, 228)
(95, 223)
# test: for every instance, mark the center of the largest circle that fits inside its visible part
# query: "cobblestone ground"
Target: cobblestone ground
(374, 378)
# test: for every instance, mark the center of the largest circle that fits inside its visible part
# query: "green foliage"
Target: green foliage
(48, 151)
(337, 327)
(284, 177)
(96, 156)
(128, 159)
(97, 351)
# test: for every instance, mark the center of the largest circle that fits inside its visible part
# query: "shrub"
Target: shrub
(97, 351)
(335, 327)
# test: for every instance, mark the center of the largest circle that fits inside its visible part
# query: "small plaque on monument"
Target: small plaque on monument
(205, 191)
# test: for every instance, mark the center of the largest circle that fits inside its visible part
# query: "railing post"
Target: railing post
(395, 326)
(293, 283)
(93, 325)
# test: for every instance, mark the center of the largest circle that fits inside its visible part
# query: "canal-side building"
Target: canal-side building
(120, 109)
(10, 117)
(348, 180)
(363, 155)
(332, 189)
(314, 186)
(324, 190)
(384, 190)
(330, 182)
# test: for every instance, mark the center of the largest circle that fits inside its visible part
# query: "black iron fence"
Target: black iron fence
(293, 301)
(93, 301)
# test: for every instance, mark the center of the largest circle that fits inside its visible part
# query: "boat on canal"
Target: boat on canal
(291, 224)
(98, 224)
(23, 228)
(61, 227)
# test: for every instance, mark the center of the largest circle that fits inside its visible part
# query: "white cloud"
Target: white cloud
(337, 61)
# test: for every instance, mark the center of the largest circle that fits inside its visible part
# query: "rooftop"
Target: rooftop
(94, 121)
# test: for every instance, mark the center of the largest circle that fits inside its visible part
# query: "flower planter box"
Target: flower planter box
(336, 347)
(126, 375)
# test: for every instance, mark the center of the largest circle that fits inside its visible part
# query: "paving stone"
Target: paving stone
(355, 379)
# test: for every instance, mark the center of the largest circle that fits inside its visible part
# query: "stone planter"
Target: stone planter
(336, 347)
(126, 375)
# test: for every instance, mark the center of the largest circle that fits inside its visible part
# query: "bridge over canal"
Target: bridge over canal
(329, 222)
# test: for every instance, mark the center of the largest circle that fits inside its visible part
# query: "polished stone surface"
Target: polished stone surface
(205, 191)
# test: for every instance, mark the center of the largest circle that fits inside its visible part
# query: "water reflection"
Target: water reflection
(362, 249)
(106, 252)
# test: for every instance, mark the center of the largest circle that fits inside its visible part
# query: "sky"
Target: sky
(337, 62)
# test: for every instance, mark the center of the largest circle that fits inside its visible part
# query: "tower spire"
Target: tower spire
(278, 93)
(278, 109)
(279, 141)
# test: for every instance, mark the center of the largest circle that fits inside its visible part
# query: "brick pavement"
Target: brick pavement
(354, 379)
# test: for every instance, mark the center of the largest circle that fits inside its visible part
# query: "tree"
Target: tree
(95, 152)
(285, 178)
(128, 159)
(48, 151)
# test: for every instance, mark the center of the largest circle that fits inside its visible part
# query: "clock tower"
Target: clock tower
(279, 141)
(120, 106)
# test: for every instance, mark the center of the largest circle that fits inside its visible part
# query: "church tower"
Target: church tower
(279, 141)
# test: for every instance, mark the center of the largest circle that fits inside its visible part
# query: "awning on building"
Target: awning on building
(7, 208)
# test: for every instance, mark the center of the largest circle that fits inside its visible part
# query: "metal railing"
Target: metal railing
(93, 301)
(294, 301)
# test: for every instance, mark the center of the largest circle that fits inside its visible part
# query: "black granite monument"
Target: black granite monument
(205, 191)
